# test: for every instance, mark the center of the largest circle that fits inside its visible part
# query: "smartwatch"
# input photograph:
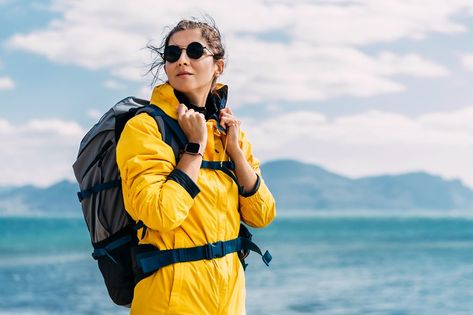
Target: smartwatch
(193, 148)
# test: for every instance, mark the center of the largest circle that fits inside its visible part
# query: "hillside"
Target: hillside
(295, 185)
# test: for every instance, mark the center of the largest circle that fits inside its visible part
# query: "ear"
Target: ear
(219, 66)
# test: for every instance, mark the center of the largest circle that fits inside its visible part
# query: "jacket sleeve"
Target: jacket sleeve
(153, 190)
(257, 207)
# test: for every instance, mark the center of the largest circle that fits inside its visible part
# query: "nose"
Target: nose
(183, 58)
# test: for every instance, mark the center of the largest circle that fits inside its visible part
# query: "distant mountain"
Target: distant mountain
(305, 186)
(60, 198)
(295, 185)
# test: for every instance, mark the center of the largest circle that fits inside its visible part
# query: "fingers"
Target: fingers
(226, 110)
(188, 114)
(181, 110)
(228, 117)
(229, 121)
(195, 116)
(235, 123)
(192, 124)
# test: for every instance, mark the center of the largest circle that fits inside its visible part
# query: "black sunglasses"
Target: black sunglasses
(194, 50)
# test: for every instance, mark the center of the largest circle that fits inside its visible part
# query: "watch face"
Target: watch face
(192, 147)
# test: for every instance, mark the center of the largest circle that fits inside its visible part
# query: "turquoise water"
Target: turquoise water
(322, 265)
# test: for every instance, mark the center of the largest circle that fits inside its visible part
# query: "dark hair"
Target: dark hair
(210, 34)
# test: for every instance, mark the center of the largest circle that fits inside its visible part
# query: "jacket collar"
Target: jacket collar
(165, 98)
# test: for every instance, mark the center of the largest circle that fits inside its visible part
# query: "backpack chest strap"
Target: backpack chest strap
(228, 167)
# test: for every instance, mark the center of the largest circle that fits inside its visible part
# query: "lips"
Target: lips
(183, 73)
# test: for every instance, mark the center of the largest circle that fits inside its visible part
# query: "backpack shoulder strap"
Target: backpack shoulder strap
(171, 132)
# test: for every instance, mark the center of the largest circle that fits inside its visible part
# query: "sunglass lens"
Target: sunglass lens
(171, 53)
(195, 50)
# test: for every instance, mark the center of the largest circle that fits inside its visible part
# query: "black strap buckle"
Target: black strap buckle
(214, 250)
(79, 195)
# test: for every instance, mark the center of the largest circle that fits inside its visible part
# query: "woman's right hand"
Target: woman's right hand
(192, 124)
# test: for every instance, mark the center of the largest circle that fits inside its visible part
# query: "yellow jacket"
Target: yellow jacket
(181, 214)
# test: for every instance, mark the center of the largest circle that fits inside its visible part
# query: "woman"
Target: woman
(182, 204)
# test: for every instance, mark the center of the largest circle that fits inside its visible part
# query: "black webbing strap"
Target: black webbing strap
(141, 225)
(84, 194)
(225, 166)
(218, 165)
(150, 261)
(105, 251)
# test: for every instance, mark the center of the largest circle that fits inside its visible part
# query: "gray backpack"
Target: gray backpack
(112, 230)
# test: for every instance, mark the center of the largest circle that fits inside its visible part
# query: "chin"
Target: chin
(188, 88)
(181, 87)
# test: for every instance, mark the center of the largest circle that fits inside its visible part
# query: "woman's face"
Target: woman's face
(193, 77)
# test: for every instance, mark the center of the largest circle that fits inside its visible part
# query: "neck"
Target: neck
(197, 100)
(198, 97)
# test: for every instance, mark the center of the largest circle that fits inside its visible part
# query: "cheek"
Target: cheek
(168, 69)
(207, 71)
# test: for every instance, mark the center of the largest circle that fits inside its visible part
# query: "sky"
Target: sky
(361, 88)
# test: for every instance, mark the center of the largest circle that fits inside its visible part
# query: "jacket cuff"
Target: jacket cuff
(185, 181)
(254, 190)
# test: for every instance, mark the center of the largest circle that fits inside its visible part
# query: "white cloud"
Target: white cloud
(144, 92)
(374, 21)
(94, 114)
(6, 83)
(371, 143)
(320, 59)
(52, 126)
(467, 61)
(90, 46)
(460, 120)
(410, 64)
(114, 85)
(38, 152)
(317, 73)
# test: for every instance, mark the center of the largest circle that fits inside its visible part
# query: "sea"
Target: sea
(323, 263)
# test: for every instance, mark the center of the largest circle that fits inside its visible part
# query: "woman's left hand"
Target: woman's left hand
(229, 122)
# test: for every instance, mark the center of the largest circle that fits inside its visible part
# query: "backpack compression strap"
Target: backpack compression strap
(84, 194)
(148, 259)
